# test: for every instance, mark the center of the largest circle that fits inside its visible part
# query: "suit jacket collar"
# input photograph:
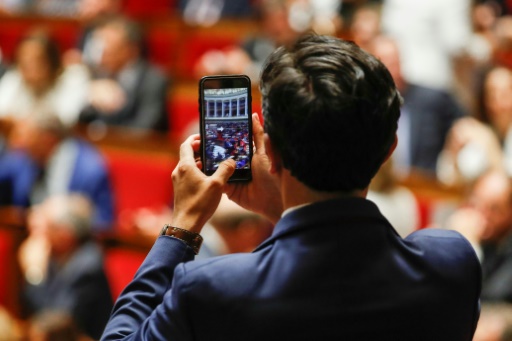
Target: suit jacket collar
(342, 210)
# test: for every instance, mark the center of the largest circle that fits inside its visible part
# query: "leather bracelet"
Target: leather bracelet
(192, 239)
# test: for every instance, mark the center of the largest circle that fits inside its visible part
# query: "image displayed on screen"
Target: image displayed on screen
(226, 118)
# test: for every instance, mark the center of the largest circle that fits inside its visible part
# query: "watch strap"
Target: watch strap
(192, 239)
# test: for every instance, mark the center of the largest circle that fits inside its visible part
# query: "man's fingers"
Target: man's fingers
(224, 171)
(257, 131)
(187, 150)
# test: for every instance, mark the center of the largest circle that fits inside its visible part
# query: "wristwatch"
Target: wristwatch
(192, 239)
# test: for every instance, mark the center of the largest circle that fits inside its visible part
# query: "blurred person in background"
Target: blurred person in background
(248, 57)
(474, 146)
(503, 31)
(233, 229)
(91, 13)
(127, 91)
(10, 328)
(40, 84)
(54, 326)
(3, 66)
(426, 117)
(365, 25)
(63, 265)
(495, 323)
(208, 12)
(486, 221)
(396, 202)
(430, 35)
(44, 160)
(497, 108)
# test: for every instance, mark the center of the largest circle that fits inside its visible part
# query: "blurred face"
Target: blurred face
(117, 51)
(38, 143)
(498, 98)
(89, 10)
(277, 26)
(34, 66)
(387, 51)
(60, 239)
(492, 198)
(365, 26)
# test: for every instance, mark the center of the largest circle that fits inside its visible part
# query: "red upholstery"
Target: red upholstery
(183, 114)
(120, 266)
(161, 43)
(425, 212)
(64, 33)
(140, 179)
(6, 264)
(195, 45)
(144, 8)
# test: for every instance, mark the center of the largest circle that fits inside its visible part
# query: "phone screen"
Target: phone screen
(226, 123)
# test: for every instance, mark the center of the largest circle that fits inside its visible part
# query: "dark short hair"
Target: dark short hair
(331, 111)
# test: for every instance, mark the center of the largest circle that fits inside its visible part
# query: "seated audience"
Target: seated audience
(471, 149)
(233, 229)
(495, 323)
(45, 160)
(397, 203)
(207, 12)
(40, 84)
(63, 265)
(497, 108)
(365, 25)
(127, 90)
(475, 146)
(248, 57)
(90, 14)
(426, 116)
(3, 66)
(10, 329)
(486, 221)
(54, 326)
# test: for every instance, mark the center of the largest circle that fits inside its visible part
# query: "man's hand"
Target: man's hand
(196, 195)
(262, 195)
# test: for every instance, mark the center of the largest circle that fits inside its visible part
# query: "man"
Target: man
(45, 160)
(486, 220)
(128, 91)
(72, 281)
(334, 268)
(426, 116)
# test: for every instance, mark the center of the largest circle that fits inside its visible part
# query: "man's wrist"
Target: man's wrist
(191, 239)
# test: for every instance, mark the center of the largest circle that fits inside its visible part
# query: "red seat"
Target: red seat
(161, 45)
(145, 8)
(140, 179)
(6, 267)
(120, 266)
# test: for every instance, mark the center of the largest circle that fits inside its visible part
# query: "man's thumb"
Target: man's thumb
(225, 170)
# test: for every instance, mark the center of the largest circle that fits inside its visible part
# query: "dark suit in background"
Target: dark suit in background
(88, 175)
(145, 88)
(80, 287)
(431, 114)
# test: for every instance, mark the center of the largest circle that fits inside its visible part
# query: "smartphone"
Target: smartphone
(225, 107)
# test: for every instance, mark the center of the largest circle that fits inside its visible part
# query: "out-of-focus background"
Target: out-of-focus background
(97, 95)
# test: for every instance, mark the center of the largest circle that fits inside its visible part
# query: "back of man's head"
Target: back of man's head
(331, 112)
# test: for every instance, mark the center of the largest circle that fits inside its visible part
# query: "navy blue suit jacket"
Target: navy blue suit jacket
(334, 270)
(18, 173)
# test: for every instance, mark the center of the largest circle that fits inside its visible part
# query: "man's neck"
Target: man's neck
(295, 193)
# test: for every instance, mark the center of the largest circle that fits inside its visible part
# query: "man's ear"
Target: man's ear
(275, 159)
(392, 148)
